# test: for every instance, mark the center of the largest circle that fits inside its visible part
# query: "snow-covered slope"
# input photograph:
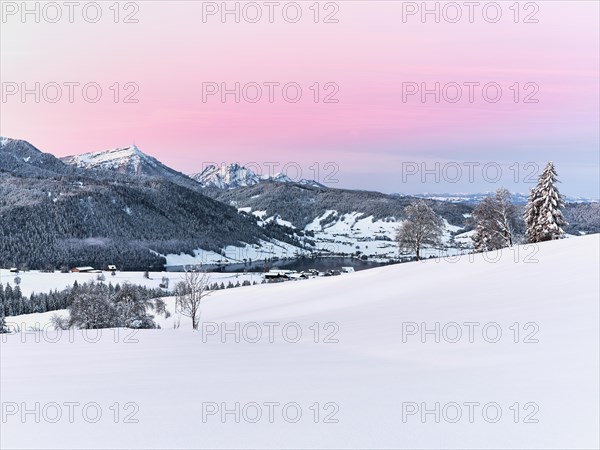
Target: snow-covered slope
(535, 385)
(232, 176)
(357, 233)
(19, 157)
(337, 220)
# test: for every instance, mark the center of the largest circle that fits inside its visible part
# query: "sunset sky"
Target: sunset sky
(369, 53)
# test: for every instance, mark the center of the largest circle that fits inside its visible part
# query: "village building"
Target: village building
(84, 269)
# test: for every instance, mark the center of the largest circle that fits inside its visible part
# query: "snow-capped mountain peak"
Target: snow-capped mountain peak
(278, 177)
(128, 159)
(228, 176)
(234, 175)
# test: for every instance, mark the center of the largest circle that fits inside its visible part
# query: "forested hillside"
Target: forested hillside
(301, 204)
(55, 215)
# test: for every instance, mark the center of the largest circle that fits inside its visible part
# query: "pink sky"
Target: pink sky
(368, 54)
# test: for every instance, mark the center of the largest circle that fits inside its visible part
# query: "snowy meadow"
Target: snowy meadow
(500, 351)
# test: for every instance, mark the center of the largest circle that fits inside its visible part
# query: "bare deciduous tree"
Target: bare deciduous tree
(421, 227)
(487, 235)
(507, 216)
(495, 221)
(189, 294)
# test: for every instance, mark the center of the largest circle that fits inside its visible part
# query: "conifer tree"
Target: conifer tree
(543, 216)
(3, 301)
(3, 327)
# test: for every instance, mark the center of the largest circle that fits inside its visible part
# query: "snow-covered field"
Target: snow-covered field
(233, 254)
(348, 233)
(35, 281)
(366, 371)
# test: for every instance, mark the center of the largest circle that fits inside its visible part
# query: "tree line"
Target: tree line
(496, 221)
(14, 303)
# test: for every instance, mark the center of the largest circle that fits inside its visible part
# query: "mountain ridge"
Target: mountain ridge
(54, 214)
(235, 175)
(129, 160)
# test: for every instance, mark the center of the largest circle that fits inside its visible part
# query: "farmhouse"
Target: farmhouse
(84, 269)
(276, 274)
(297, 276)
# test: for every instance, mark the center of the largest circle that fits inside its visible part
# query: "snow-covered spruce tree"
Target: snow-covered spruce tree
(422, 226)
(543, 215)
(3, 327)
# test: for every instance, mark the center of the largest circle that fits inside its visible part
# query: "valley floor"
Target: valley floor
(36, 281)
(338, 362)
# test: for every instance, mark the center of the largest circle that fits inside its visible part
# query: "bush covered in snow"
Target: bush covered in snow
(96, 305)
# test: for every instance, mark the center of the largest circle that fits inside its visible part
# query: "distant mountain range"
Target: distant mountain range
(132, 161)
(125, 207)
(473, 199)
